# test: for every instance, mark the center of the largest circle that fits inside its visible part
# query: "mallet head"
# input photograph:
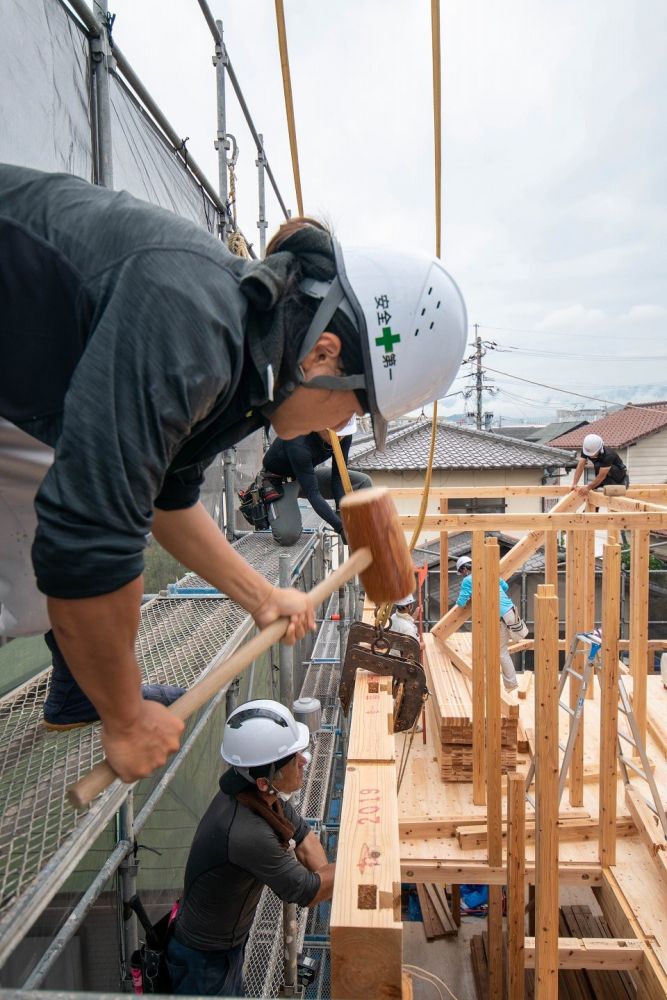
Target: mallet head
(371, 519)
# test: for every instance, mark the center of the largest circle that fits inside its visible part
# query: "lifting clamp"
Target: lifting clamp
(388, 653)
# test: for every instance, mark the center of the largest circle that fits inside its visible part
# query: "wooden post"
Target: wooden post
(611, 617)
(546, 793)
(551, 559)
(588, 542)
(493, 762)
(639, 560)
(479, 668)
(574, 594)
(510, 563)
(444, 562)
(516, 884)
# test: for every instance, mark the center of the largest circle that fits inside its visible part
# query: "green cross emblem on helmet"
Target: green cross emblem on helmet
(388, 339)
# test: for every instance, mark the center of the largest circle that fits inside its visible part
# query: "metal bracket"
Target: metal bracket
(389, 654)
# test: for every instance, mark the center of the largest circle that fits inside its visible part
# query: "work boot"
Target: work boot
(66, 705)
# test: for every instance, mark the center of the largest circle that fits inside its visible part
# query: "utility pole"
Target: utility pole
(479, 383)
(478, 378)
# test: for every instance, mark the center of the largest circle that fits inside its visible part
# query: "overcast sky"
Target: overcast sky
(554, 160)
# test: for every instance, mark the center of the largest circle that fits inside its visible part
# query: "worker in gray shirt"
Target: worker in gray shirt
(249, 837)
(135, 348)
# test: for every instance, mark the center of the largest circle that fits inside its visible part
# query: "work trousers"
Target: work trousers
(205, 973)
(506, 663)
(24, 462)
(285, 514)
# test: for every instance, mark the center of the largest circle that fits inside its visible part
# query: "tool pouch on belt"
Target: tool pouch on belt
(254, 508)
(148, 964)
(515, 623)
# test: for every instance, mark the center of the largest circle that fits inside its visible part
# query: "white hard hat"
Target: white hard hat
(405, 601)
(262, 732)
(413, 325)
(463, 561)
(593, 443)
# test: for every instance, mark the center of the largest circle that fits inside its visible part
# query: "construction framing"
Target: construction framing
(602, 834)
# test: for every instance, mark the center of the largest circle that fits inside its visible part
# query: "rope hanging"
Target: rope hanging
(289, 103)
(340, 460)
(236, 242)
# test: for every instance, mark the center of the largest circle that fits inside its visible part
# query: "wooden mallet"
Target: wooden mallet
(380, 556)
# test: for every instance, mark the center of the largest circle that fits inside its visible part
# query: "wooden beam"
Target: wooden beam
(553, 520)
(510, 563)
(444, 562)
(473, 838)
(480, 492)
(491, 612)
(623, 503)
(588, 605)
(622, 921)
(516, 885)
(366, 929)
(372, 725)
(648, 824)
(611, 615)
(445, 872)
(608, 954)
(546, 793)
(478, 671)
(639, 563)
(422, 827)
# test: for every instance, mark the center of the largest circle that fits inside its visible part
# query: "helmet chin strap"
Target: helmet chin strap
(332, 297)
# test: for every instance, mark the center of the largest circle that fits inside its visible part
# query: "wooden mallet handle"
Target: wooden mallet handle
(102, 775)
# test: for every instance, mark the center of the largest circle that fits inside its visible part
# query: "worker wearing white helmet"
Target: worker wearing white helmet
(250, 837)
(509, 624)
(148, 350)
(402, 619)
(608, 466)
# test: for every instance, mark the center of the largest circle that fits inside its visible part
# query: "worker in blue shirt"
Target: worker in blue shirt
(464, 569)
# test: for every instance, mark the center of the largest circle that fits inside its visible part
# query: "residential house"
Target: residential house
(463, 457)
(638, 433)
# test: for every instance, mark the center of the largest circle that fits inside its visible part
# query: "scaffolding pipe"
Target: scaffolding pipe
(76, 917)
(228, 457)
(127, 872)
(285, 653)
(222, 141)
(101, 60)
(262, 224)
(210, 20)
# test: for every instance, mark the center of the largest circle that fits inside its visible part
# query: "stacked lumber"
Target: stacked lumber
(450, 712)
(436, 914)
(573, 984)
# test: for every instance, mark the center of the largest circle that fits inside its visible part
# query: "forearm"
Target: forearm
(578, 472)
(599, 479)
(311, 854)
(96, 636)
(325, 891)
(193, 537)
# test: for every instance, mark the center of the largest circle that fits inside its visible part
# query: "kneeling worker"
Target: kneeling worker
(464, 569)
(295, 468)
(249, 837)
(609, 469)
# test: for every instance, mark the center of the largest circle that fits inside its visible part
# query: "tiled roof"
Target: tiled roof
(621, 428)
(520, 431)
(456, 448)
(542, 435)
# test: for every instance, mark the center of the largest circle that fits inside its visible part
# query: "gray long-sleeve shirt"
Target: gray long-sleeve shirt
(122, 332)
(234, 854)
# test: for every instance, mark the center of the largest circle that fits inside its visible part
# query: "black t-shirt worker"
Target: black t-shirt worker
(295, 469)
(135, 348)
(249, 837)
(609, 469)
